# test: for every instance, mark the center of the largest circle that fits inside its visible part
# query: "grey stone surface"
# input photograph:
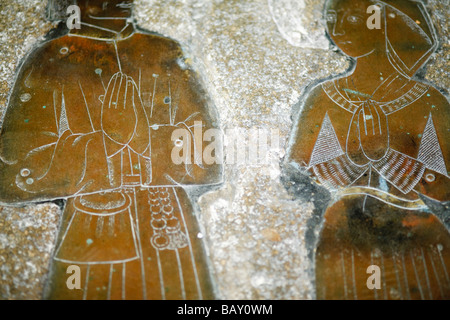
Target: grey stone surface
(27, 237)
(255, 62)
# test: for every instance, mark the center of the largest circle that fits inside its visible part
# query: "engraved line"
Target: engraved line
(98, 27)
(85, 162)
(400, 174)
(383, 275)
(371, 262)
(383, 83)
(107, 18)
(379, 121)
(87, 108)
(365, 125)
(368, 183)
(417, 275)
(353, 276)
(436, 275)
(397, 276)
(99, 229)
(110, 281)
(153, 97)
(123, 280)
(405, 276)
(180, 273)
(25, 82)
(117, 55)
(328, 177)
(328, 94)
(96, 262)
(161, 277)
(426, 274)
(101, 80)
(65, 233)
(43, 147)
(89, 37)
(131, 161)
(197, 281)
(335, 174)
(144, 288)
(391, 59)
(373, 121)
(344, 276)
(415, 205)
(388, 85)
(412, 174)
(114, 77)
(87, 221)
(116, 104)
(85, 290)
(56, 113)
(402, 102)
(391, 173)
(111, 222)
(51, 160)
(342, 172)
(443, 265)
(139, 82)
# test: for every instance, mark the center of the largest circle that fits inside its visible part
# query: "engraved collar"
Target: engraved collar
(92, 31)
(413, 94)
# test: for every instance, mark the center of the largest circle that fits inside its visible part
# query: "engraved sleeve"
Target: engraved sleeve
(400, 170)
(190, 113)
(43, 154)
(329, 162)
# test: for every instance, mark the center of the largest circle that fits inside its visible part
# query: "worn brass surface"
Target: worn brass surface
(90, 120)
(378, 139)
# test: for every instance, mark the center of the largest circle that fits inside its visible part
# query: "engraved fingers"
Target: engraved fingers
(368, 134)
(373, 130)
(374, 120)
(354, 150)
(141, 137)
(118, 115)
(124, 119)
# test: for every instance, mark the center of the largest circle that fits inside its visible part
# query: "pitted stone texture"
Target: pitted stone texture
(27, 237)
(438, 69)
(22, 25)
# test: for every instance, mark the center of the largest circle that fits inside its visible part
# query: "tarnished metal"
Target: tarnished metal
(90, 120)
(377, 138)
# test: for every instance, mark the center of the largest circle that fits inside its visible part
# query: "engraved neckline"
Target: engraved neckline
(413, 94)
(92, 31)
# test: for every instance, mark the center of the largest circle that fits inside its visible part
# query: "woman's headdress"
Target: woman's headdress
(410, 35)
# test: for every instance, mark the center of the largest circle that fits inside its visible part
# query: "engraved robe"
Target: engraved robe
(128, 221)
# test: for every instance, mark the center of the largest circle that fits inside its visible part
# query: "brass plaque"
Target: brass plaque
(377, 139)
(91, 120)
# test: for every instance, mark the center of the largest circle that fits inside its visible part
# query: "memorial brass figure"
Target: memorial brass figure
(378, 139)
(90, 120)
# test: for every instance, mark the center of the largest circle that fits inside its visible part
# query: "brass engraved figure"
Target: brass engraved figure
(90, 120)
(377, 139)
